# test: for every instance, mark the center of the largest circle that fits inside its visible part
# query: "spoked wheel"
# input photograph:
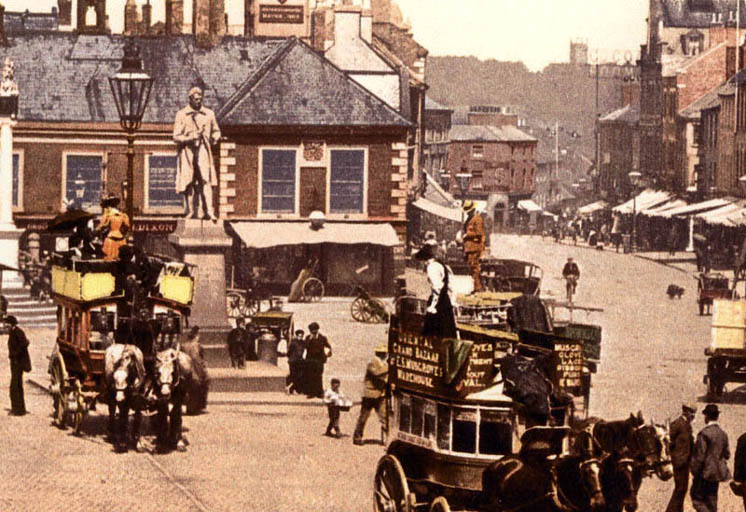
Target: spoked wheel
(313, 289)
(235, 304)
(80, 410)
(57, 390)
(359, 310)
(440, 505)
(252, 307)
(390, 487)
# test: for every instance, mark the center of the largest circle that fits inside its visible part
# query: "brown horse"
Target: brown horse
(124, 372)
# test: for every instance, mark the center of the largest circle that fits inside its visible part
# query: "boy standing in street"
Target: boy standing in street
(335, 401)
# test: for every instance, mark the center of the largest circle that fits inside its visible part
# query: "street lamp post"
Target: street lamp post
(131, 89)
(634, 179)
(463, 182)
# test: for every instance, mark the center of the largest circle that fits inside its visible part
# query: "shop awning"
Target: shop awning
(728, 215)
(592, 207)
(645, 199)
(674, 203)
(692, 209)
(263, 234)
(433, 208)
(528, 205)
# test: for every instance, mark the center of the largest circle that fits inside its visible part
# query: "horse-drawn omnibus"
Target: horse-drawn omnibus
(92, 305)
(449, 417)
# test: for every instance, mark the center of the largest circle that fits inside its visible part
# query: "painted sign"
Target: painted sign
(281, 14)
(569, 365)
(421, 363)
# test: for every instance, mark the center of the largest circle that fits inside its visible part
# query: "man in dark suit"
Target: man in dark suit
(317, 352)
(682, 444)
(19, 358)
(709, 462)
(738, 485)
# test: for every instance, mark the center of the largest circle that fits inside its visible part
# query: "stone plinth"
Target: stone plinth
(204, 243)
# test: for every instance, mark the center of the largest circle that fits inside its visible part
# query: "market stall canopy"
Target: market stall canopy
(528, 205)
(728, 215)
(646, 199)
(593, 207)
(692, 209)
(674, 203)
(260, 235)
(433, 208)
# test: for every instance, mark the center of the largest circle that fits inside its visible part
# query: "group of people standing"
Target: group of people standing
(706, 459)
(306, 359)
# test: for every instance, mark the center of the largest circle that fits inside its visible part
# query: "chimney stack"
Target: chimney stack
(217, 21)
(201, 22)
(65, 9)
(130, 17)
(147, 17)
(174, 16)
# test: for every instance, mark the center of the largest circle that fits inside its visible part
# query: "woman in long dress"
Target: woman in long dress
(118, 224)
(439, 318)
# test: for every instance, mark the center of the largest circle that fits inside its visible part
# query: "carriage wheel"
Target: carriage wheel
(390, 487)
(359, 311)
(313, 289)
(235, 304)
(80, 407)
(440, 505)
(57, 389)
(253, 306)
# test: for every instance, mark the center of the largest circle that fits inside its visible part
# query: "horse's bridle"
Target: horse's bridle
(647, 457)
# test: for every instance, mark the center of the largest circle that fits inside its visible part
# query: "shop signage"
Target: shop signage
(569, 365)
(281, 14)
(420, 363)
(154, 226)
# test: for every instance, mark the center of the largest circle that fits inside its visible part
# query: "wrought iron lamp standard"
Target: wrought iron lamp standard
(131, 88)
(634, 179)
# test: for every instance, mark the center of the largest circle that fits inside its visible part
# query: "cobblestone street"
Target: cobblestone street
(266, 451)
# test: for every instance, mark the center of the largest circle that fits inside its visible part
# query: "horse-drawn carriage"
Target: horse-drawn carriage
(726, 355)
(461, 435)
(97, 320)
(502, 275)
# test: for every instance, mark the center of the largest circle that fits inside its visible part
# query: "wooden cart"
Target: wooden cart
(726, 355)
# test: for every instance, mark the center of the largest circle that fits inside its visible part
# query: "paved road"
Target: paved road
(264, 456)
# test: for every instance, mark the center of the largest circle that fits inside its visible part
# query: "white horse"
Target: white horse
(125, 374)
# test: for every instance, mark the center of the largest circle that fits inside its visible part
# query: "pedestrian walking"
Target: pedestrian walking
(318, 350)
(249, 348)
(682, 444)
(296, 351)
(439, 319)
(376, 377)
(20, 362)
(738, 485)
(237, 343)
(335, 403)
(473, 240)
(709, 462)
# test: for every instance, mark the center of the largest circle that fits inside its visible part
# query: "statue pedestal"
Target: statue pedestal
(203, 243)
(9, 236)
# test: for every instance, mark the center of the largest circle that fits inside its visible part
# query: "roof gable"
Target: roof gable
(297, 87)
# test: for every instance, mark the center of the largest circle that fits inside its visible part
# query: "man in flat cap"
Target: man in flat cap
(376, 377)
(682, 444)
(195, 132)
(473, 240)
(709, 464)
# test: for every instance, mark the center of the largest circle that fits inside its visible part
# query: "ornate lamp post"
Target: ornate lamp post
(463, 182)
(634, 179)
(131, 89)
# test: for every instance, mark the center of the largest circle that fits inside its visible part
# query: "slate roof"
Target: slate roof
(483, 133)
(27, 21)
(296, 86)
(628, 114)
(709, 100)
(698, 13)
(431, 104)
(64, 77)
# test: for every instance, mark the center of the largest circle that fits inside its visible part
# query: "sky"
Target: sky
(536, 32)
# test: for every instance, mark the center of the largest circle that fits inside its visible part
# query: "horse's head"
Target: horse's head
(124, 375)
(590, 471)
(650, 446)
(167, 372)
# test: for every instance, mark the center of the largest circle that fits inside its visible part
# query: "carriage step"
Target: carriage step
(256, 377)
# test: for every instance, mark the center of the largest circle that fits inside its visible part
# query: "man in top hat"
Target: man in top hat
(318, 350)
(195, 132)
(682, 444)
(709, 464)
(439, 319)
(473, 239)
(376, 377)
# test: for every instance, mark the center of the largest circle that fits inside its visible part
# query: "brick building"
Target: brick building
(299, 135)
(437, 130)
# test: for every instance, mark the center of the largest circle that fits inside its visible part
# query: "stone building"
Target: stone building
(619, 151)
(437, 130)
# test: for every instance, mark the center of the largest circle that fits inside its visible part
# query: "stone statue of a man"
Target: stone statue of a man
(195, 132)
